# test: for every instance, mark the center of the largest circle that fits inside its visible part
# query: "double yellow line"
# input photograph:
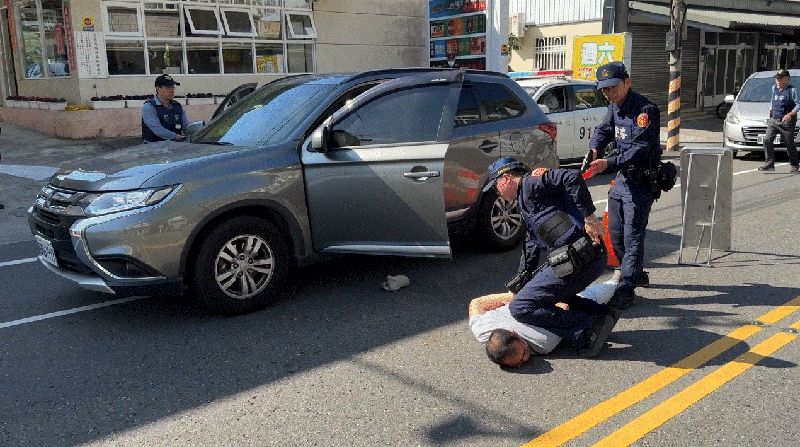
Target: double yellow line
(650, 420)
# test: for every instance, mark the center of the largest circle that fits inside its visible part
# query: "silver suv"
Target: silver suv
(382, 162)
(746, 123)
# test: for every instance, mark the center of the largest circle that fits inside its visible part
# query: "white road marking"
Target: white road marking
(18, 261)
(61, 313)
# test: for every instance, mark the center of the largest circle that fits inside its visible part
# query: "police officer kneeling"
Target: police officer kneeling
(163, 118)
(559, 215)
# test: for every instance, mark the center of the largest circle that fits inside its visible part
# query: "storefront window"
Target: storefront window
(125, 57)
(43, 46)
(165, 57)
(299, 58)
(209, 36)
(237, 57)
(269, 58)
(202, 57)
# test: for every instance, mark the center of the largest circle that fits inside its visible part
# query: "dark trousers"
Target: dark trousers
(535, 303)
(627, 227)
(786, 131)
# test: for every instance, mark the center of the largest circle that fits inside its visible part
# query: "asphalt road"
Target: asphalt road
(339, 362)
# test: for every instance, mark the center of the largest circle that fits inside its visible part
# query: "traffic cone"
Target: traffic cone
(612, 258)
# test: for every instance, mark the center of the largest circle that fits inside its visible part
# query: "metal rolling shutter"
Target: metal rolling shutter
(650, 67)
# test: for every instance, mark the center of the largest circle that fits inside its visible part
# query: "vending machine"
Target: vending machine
(468, 34)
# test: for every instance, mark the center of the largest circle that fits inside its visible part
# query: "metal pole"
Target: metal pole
(674, 38)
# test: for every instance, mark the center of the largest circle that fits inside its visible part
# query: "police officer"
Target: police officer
(163, 118)
(782, 118)
(559, 215)
(632, 122)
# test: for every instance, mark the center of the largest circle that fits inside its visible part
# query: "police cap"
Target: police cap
(611, 74)
(166, 80)
(503, 166)
(781, 73)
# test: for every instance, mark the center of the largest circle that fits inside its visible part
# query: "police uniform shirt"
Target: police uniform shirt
(784, 101)
(155, 124)
(635, 125)
(545, 191)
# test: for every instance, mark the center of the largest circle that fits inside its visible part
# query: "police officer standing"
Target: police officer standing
(163, 118)
(632, 122)
(782, 118)
(559, 215)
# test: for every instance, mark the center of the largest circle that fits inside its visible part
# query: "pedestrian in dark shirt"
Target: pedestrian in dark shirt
(782, 119)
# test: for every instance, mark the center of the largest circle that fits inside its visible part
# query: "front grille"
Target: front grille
(48, 222)
(751, 134)
(47, 216)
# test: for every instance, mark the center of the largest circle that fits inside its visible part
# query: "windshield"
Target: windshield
(268, 115)
(757, 90)
(530, 90)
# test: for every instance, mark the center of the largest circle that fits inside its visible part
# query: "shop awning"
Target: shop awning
(722, 19)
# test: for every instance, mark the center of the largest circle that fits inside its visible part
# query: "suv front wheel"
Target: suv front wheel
(499, 222)
(241, 266)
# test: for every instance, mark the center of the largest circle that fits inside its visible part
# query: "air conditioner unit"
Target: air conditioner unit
(520, 29)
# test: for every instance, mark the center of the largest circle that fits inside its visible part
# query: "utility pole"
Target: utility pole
(675, 35)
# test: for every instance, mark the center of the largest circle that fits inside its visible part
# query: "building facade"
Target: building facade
(726, 41)
(83, 49)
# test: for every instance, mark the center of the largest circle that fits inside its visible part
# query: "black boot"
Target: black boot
(593, 339)
(768, 166)
(622, 299)
(2, 206)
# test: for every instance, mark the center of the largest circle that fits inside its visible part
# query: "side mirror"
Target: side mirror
(319, 139)
(729, 99)
(544, 108)
(192, 128)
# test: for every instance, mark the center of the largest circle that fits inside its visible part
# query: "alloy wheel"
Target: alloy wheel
(244, 266)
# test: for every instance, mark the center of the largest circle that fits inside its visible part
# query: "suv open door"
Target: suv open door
(373, 170)
(234, 96)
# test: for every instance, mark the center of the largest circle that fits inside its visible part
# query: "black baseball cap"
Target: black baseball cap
(500, 167)
(166, 81)
(781, 73)
(611, 74)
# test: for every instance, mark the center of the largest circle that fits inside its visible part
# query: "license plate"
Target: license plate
(46, 247)
(760, 139)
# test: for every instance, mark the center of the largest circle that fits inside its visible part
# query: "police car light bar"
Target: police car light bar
(540, 73)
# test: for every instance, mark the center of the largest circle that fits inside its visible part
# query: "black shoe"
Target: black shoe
(794, 170)
(643, 280)
(768, 166)
(610, 311)
(622, 299)
(2, 206)
(594, 338)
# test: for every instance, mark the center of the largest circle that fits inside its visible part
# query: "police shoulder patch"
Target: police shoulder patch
(538, 172)
(642, 120)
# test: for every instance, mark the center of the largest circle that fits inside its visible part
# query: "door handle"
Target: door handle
(488, 146)
(421, 174)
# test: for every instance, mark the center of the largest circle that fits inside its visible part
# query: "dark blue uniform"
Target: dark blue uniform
(634, 126)
(783, 102)
(172, 119)
(541, 194)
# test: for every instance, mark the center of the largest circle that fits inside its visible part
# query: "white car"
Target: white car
(576, 106)
(746, 123)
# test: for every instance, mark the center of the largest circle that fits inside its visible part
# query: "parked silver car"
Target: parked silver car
(382, 162)
(746, 123)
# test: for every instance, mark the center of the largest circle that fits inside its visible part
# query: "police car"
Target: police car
(575, 106)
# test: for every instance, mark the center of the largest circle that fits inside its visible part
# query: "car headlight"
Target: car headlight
(732, 119)
(115, 202)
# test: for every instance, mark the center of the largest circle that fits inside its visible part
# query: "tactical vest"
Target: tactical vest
(782, 102)
(169, 118)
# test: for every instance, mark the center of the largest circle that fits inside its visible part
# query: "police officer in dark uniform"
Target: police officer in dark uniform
(163, 118)
(782, 119)
(559, 215)
(633, 124)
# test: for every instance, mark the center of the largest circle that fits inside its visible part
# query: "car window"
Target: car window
(268, 115)
(498, 101)
(554, 99)
(757, 90)
(408, 115)
(468, 110)
(588, 97)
